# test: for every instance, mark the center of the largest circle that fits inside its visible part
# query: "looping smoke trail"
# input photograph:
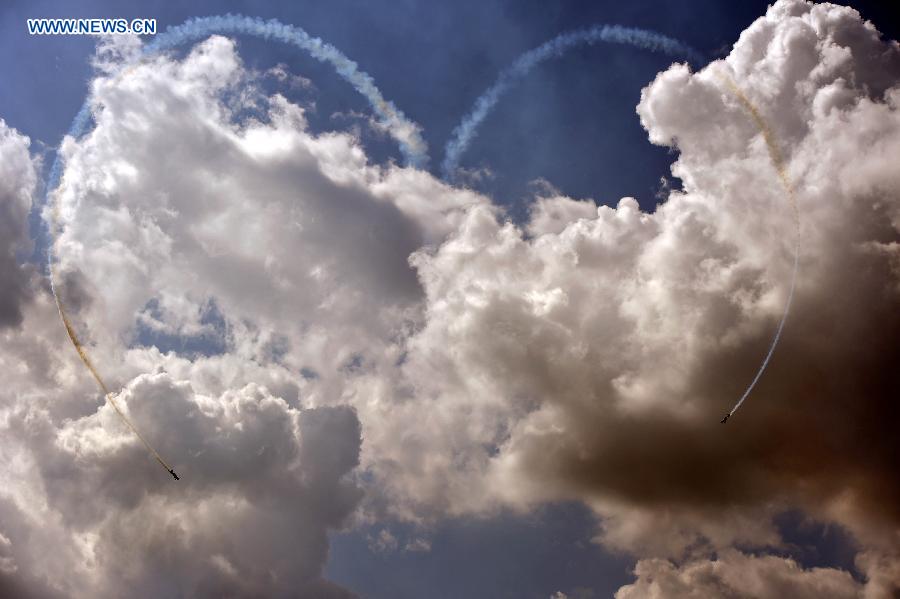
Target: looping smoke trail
(777, 162)
(406, 133)
(467, 129)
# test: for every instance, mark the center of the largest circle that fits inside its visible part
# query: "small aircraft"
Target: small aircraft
(172, 472)
(724, 420)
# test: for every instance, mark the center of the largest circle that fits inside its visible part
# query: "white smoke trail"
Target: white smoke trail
(778, 163)
(467, 129)
(405, 132)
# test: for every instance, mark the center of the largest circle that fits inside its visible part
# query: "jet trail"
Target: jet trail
(467, 129)
(405, 132)
(82, 353)
(777, 162)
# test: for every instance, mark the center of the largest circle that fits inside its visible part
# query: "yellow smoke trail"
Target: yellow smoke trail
(774, 151)
(777, 162)
(82, 353)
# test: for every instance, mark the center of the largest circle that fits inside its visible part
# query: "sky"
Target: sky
(378, 379)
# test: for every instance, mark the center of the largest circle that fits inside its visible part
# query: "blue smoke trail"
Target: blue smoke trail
(405, 132)
(465, 132)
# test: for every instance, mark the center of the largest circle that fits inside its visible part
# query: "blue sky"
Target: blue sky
(433, 60)
(571, 123)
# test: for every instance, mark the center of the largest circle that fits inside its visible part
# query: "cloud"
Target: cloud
(261, 484)
(737, 575)
(590, 354)
(294, 326)
(17, 184)
(281, 259)
(263, 477)
(297, 238)
(86, 511)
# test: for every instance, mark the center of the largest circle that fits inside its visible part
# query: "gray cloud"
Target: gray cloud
(17, 184)
(261, 484)
(301, 246)
(592, 358)
(452, 362)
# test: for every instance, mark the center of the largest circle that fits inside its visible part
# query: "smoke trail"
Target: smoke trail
(82, 353)
(406, 133)
(467, 129)
(778, 163)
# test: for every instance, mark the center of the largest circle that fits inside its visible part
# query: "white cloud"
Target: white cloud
(293, 251)
(585, 355)
(261, 484)
(292, 235)
(737, 575)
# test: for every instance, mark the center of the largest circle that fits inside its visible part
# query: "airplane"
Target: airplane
(724, 420)
(172, 472)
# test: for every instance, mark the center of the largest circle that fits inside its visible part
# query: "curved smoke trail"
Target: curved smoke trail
(467, 129)
(82, 353)
(406, 133)
(777, 162)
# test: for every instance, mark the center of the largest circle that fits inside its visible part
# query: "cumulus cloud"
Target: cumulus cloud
(238, 286)
(300, 241)
(590, 354)
(262, 483)
(265, 468)
(737, 575)
(86, 512)
(292, 325)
